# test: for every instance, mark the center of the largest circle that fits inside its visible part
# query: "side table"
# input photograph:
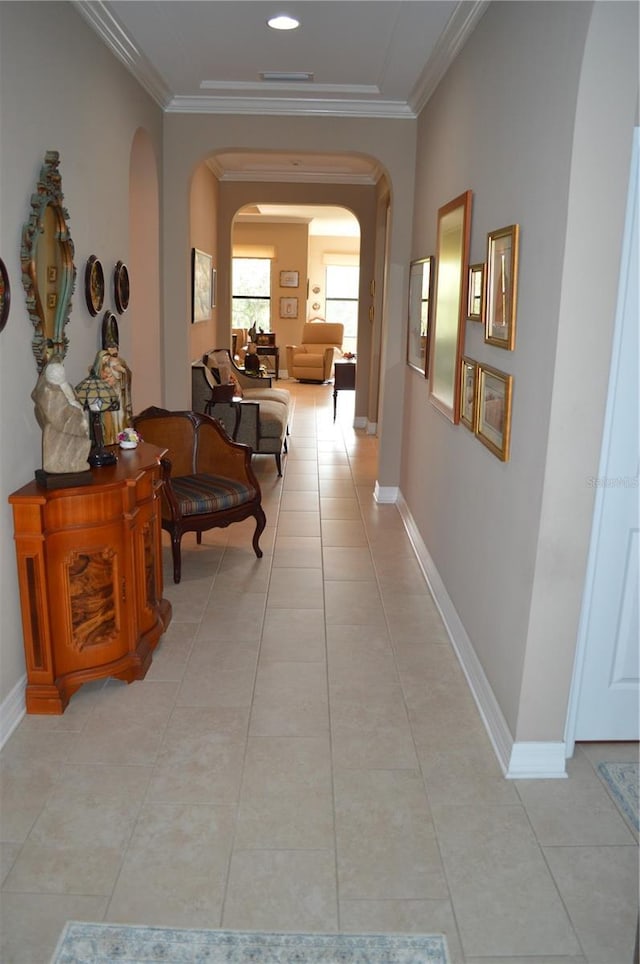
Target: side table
(272, 350)
(344, 380)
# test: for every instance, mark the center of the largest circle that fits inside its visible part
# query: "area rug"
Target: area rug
(86, 943)
(622, 780)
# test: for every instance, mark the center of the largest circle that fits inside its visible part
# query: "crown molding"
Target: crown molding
(289, 106)
(460, 27)
(120, 44)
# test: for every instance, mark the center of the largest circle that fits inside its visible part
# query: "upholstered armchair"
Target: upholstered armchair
(208, 480)
(312, 360)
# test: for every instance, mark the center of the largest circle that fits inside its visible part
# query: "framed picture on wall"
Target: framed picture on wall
(288, 307)
(289, 279)
(214, 287)
(201, 280)
(502, 287)
(476, 292)
(469, 393)
(493, 418)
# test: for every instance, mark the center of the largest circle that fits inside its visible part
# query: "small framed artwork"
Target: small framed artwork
(121, 289)
(468, 393)
(502, 287)
(201, 267)
(289, 279)
(94, 285)
(493, 414)
(52, 274)
(421, 277)
(5, 294)
(288, 307)
(52, 299)
(214, 287)
(476, 292)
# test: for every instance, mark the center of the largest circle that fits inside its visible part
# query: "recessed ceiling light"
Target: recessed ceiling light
(283, 22)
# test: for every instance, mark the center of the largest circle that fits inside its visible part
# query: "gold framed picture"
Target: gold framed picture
(421, 276)
(468, 393)
(289, 279)
(502, 287)
(493, 411)
(288, 307)
(475, 308)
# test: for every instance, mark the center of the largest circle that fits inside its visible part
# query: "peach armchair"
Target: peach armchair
(312, 360)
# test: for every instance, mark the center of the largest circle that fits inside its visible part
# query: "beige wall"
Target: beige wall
(60, 89)
(289, 242)
(536, 118)
(203, 206)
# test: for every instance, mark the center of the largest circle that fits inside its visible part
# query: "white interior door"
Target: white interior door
(606, 685)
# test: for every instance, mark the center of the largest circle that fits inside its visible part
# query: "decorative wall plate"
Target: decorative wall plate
(94, 285)
(121, 287)
(110, 333)
(5, 295)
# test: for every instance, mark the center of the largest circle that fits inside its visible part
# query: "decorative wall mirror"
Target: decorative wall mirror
(420, 309)
(5, 294)
(48, 271)
(452, 260)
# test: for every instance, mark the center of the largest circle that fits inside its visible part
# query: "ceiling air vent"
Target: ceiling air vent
(294, 77)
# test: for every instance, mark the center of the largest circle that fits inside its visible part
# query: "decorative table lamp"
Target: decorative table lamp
(98, 397)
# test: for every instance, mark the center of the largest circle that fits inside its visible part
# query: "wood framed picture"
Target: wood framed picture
(288, 307)
(201, 265)
(475, 311)
(452, 278)
(502, 287)
(493, 418)
(468, 393)
(214, 287)
(289, 279)
(421, 275)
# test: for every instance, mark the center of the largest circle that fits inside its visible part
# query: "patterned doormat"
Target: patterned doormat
(622, 781)
(82, 943)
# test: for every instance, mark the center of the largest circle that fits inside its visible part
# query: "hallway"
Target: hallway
(305, 754)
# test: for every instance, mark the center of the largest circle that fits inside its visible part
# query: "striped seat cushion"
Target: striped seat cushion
(199, 494)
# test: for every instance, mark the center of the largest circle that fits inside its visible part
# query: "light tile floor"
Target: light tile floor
(304, 754)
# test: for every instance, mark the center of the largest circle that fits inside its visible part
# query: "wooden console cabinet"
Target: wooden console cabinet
(90, 574)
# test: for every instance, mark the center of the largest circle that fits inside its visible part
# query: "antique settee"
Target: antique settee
(253, 412)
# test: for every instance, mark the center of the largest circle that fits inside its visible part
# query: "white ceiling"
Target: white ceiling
(368, 58)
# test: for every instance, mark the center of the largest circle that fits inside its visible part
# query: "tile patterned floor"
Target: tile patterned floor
(304, 754)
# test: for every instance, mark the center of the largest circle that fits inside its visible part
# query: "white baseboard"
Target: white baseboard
(517, 760)
(371, 427)
(537, 761)
(385, 493)
(12, 710)
(360, 421)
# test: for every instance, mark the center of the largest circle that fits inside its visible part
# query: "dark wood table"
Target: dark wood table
(344, 380)
(272, 350)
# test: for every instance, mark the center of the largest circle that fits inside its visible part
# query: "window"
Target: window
(251, 290)
(342, 300)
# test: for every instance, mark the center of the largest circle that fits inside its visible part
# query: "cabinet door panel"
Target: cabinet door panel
(87, 598)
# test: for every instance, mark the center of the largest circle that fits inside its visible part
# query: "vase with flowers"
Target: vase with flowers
(128, 438)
